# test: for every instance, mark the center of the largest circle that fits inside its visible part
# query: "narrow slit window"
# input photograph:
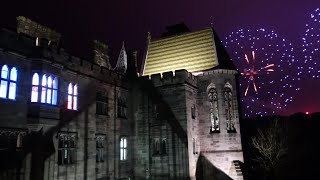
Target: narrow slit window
(123, 149)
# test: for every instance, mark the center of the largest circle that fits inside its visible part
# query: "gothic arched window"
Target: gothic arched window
(35, 88)
(228, 97)
(72, 96)
(8, 86)
(48, 86)
(214, 112)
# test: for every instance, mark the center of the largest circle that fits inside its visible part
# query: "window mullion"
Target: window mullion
(8, 83)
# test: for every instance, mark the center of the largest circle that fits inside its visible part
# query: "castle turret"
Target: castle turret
(121, 66)
(101, 54)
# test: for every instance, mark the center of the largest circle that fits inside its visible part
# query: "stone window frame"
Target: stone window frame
(121, 108)
(194, 145)
(163, 146)
(228, 103)
(66, 148)
(100, 148)
(193, 111)
(40, 88)
(156, 146)
(160, 146)
(123, 148)
(72, 98)
(102, 107)
(214, 108)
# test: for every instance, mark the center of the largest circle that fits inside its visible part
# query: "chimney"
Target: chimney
(101, 54)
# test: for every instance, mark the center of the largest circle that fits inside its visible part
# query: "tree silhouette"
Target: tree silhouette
(271, 144)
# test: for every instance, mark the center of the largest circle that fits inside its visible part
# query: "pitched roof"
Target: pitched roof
(193, 51)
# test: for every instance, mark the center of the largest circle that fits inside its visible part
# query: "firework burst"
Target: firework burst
(252, 72)
(268, 70)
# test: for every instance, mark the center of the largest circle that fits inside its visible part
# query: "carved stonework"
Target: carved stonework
(12, 132)
(17, 134)
(228, 107)
(214, 113)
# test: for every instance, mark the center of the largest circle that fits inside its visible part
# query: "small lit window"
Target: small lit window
(72, 96)
(35, 87)
(48, 87)
(123, 149)
(8, 87)
(37, 41)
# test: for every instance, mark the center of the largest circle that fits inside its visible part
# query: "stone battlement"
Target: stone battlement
(176, 77)
(26, 46)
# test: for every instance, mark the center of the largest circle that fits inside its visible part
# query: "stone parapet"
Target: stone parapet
(24, 45)
(176, 77)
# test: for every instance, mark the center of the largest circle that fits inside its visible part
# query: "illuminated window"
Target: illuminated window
(101, 104)
(8, 87)
(48, 87)
(72, 96)
(66, 149)
(123, 149)
(100, 149)
(37, 41)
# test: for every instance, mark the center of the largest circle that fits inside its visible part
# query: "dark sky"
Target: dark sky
(79, 22)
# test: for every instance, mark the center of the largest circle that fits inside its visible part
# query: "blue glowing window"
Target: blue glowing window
(8, 86)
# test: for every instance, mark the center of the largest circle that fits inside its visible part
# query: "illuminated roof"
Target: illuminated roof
(193, 51)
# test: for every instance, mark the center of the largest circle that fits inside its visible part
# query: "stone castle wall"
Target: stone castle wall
(221, 148)
(158, 107)
(21, 52)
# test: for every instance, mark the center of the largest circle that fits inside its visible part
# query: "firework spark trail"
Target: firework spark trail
(251, 73)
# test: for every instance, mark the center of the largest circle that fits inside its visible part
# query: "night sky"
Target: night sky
(116, 21)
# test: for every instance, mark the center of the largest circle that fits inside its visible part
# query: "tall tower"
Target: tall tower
(208, 95)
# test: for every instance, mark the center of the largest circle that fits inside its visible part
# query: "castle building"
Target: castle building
(63, 117)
